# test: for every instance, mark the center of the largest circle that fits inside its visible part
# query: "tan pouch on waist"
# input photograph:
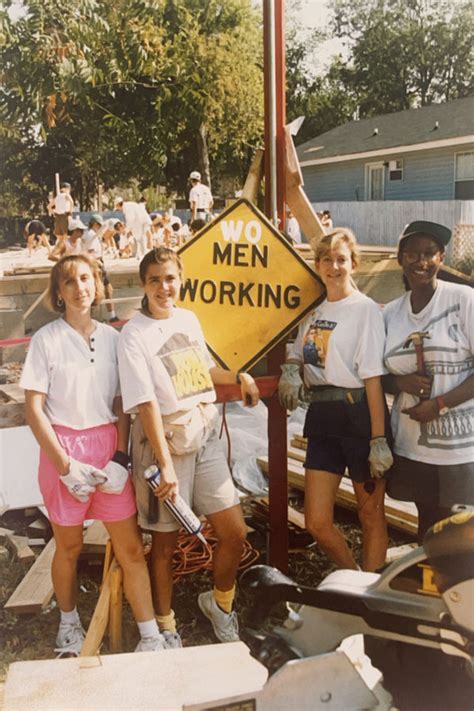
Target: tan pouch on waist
(187, 431)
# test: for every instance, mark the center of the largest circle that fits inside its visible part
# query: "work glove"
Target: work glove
(290, 386)
(82, 479)
(380, 457)
(117, 476)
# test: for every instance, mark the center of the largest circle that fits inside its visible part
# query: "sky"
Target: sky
(312, 14)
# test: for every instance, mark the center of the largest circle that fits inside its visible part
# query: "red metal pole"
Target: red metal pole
(274, 70)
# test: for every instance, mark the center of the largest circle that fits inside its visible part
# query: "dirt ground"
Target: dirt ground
(408, 677)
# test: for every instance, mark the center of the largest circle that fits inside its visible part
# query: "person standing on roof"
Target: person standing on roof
(200, 198)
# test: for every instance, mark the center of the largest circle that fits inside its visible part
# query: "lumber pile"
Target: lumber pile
(35, 590)
(12, 405)
(401, 515)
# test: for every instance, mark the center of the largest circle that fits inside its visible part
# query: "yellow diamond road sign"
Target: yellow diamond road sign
(246, 284)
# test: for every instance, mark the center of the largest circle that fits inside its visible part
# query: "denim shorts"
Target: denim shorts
(338, 436)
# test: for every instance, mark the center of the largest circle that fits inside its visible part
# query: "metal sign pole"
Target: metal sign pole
(274, 84)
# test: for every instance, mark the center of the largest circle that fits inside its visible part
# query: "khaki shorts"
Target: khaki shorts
(205, 481)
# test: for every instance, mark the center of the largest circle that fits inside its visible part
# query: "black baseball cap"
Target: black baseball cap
(438, 232)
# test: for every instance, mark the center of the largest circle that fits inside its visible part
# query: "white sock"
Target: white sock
(69, 618)
(111, 314)
(148, 629)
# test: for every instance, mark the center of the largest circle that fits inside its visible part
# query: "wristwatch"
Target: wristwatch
(443, 409)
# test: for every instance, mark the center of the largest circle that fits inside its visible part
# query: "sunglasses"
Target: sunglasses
(412, 257)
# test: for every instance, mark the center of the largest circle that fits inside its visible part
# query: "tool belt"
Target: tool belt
(332, 393)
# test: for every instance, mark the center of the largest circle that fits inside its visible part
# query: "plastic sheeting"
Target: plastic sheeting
(248, 428)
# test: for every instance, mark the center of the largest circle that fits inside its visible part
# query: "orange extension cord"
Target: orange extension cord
(191, 555)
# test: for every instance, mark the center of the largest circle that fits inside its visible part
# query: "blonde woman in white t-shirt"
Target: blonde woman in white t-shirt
(74, 409)
(338, 353)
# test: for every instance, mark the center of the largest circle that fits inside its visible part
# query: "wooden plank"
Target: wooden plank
(116, 607)
(254, 177)
(294, 517)
(120, 682)
(13, 392)
(36, 589)
(100, 618)
(20, 548)
(12, 414)
(4, 533)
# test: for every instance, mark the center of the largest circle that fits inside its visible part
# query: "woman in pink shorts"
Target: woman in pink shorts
(75, 411)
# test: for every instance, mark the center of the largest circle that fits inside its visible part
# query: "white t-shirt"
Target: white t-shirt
(73, 247)
(92, 243)
(166, 359)
(293, 229)
(341, 342)
(202, 196)
(80, 383)
(63, 204)
(449, 356)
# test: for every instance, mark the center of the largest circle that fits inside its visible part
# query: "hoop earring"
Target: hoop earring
(60, 302)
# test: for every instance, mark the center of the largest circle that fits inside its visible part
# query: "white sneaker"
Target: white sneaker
(226, 625)
(69, 639)
(150, 644)
(172, 639)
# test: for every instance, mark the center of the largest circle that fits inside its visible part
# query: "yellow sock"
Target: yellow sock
(224, 599)
(166, 622)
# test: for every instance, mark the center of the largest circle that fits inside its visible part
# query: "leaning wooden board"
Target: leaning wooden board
(36, 589)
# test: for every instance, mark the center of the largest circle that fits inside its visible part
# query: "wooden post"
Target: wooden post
(100, 618)
(254, 177)
(274, 85)
(116, 605)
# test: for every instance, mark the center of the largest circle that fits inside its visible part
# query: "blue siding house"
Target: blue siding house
(419, 154)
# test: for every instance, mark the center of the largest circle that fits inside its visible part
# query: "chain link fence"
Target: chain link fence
(462, 251)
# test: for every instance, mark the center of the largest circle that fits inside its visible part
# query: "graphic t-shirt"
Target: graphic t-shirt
(341, 342)
(166, 359)
(449, 320)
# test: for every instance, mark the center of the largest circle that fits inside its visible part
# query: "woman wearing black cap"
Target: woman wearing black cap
(430, 354)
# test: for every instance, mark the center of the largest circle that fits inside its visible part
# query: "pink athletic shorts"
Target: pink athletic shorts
(92, 446)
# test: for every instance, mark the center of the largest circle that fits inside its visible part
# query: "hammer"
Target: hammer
(417, 339)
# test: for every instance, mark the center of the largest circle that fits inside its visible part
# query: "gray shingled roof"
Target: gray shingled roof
(403, 128)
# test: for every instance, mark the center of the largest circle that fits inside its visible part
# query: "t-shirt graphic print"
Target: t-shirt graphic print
(184, 361)
(316, 342)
